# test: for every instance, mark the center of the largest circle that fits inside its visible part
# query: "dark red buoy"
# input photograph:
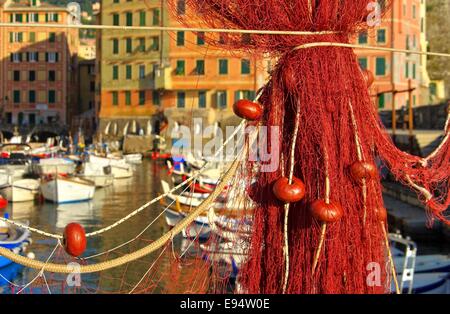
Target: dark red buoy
(326, 213)
(3, 203)
(381, 213)
(247, 110)
(74, 239)
(289, 193)
(369, 77)
(363, 170)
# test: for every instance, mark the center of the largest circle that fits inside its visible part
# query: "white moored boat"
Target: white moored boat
(100, 175)
(54, 166)
(120, 169)
(23, 190)
(67, 190)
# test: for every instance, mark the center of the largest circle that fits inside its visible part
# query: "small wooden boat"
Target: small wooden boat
(62, 190)
(23, 190)
(101, 176)
(51, 166)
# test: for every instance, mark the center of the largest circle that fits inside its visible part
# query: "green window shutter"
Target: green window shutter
(32, 37)
(46, 17)
(200, 67)
(407, 70)
(362, 38)
(363, 63)
(128, 72)
(27, 18)
(51, 96)
(155, 43)
(129, 45)
(181, 99)
(155, 17)
(245, 66)
(115, 98)
(115, 46)
(129, 16)
(16, 96)
(156, 98)
(142, 18)
(141, 98)
(115, 72)
(180, 70)
(11, 18)
(56, 17)
(11, 37)
(200, 38)
(202, 99)
(222, 99)
(380, 66)
(381, 36)
(180, 38)
(128, 98)
(237, 95)
(142, 44)
(381, 101)
(414, 71)
(116, 19)
(223, 66)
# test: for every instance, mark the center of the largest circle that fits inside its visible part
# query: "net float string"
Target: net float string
(235, 31)
(157, 244)
(287, 205)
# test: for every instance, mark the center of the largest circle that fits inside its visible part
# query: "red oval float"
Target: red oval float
(363, 170)
(289, 193)
(326, 213)
(247, 110)
(3, 203)
(74, 240)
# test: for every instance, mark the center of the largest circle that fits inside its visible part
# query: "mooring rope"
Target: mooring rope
(63, 268)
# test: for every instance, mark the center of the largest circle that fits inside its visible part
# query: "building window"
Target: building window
(200, 38)
(180, 70)
(414, 71)
(155, 43)
(413, 11)
(223, 66)
(16, 37)
(16, 57)
(51, 96)
(32, 56)
(115, 46)
(407, 70)
(116, 1)
(129, 43)
(32, 37)
(116, 19)
(155, 20)
(128, 98)
(33, 17)
(362, 38)
(245, 66)
(52, 37)
(181, 7)
(141, 44)
(181, 99)
(51, 17)
(115, 98)
(16, 96)
(128, 72)
(32, 118)
(51, 57)
(32, 96)
(202, 99)
(381, 101)
(16, 76)
(18, 18)
(142, 18)
(180, 38)
(142, 71)
(32, 76)
(363, 63)
(141, 98)
(92, 86)
(52, 76)
(222, 99)
(380, 66)
(381, 36)
(129, 18)
(156, 98)
(200, 67)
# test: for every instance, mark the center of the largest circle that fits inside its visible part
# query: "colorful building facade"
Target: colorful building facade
(38, 65)
(403, 27)
(147, 74)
